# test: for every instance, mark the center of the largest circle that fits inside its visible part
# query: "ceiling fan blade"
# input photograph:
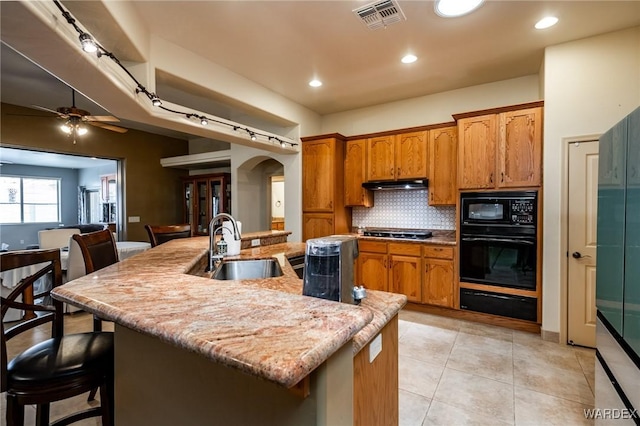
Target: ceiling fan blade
(46, 109)
(100, 118)
(108, 126)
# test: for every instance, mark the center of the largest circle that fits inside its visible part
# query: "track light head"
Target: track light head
(283, 144)
(204, 121)
(253, 136)
(88, 45)
(155, 100)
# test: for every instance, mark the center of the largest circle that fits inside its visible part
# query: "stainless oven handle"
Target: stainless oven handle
(499, 240)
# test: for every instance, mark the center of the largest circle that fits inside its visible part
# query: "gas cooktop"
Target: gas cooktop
(407, 234)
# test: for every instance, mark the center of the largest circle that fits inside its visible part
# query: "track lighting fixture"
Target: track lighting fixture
(88, 45)
(155, 100)
(74, 127)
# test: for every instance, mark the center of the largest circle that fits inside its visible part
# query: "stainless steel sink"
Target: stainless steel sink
(247, 269)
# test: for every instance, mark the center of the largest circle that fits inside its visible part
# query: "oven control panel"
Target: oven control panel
(523, 212)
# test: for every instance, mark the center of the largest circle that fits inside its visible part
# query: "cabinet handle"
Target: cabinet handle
(502, 177)
(491, 178)
(392, 171)
(399, 174)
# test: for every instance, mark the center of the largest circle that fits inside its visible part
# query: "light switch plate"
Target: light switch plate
(375, 347)
(134, 219)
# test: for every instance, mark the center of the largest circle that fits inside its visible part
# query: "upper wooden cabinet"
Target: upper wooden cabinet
(318, 174)
(443, 162)
(411, 155)
(323, 209)
(381, 158)
(402, 156)
(500, 150)
(520, 148)
(477, 152)
(355, 170)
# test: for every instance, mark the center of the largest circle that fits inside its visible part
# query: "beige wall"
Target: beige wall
(589, 85)
(432, 109)
(150, 191)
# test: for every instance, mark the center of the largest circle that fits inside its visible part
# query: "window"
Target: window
(29, 199)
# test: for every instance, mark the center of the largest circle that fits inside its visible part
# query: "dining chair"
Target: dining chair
(159, 234)
(55, 238)
(59, 367)
(98, 251)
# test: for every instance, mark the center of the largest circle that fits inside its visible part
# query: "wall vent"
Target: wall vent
(380, 14)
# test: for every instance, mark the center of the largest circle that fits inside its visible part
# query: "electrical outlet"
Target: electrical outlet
(134, 219)
(255, 243)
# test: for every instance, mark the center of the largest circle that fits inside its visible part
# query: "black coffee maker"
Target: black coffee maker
(328, 270)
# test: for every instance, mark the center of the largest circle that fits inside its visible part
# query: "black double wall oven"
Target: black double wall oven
(498, 247)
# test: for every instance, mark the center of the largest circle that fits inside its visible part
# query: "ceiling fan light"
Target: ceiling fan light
(455, 8)
(88, 45)
(81, 130)
(66, 128)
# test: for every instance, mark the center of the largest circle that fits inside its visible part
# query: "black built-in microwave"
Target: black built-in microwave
(510, 208)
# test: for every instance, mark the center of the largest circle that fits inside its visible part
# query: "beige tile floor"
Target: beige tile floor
(455, 372)
(452, 372)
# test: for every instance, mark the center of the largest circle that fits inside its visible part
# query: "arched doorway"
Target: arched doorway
(255, 179)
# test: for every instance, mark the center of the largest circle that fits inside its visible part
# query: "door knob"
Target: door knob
(578, 255)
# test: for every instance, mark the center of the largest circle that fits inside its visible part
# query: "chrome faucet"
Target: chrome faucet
(212, 235)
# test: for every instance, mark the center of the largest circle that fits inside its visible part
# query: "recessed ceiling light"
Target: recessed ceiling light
(407, 59)
(453, 8)
(546, 22)
(315, 83)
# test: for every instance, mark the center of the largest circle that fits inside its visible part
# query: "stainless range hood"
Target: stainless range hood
(394, 185)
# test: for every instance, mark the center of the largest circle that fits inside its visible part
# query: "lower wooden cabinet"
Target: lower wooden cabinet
(316, 225)
(424, 273)
(439, 275)
(405, 265)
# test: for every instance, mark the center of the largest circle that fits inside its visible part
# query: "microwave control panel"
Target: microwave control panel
(523, 212)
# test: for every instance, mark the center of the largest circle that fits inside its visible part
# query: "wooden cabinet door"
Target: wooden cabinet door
(355, 170)
(381, 158)
(318, 171)
(443, 166)
(520, 148)
(372, 271)
(316, 225)
(405, 276)
(477, 152)
(438, 282)
(411, 155)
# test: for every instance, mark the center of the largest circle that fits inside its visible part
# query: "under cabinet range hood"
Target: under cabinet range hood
(395, 185)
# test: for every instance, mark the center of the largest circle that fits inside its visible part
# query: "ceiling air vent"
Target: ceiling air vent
(380, 14)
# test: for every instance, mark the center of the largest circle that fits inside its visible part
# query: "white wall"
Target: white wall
(589, 85)
(432, 109)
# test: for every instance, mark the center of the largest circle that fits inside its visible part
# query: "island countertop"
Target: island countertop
(265, 328)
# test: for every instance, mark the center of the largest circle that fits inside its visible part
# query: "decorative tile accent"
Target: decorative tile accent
(404, 209)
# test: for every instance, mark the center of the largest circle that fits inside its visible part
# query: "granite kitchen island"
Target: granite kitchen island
(192, 350)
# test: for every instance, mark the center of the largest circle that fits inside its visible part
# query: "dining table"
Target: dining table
(9, 279)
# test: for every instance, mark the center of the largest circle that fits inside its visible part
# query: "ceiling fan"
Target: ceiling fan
(75, 118)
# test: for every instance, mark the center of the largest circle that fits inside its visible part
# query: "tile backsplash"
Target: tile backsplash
(404, 209)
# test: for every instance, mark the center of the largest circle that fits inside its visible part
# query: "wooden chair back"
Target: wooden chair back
(159, 234)
(98, 249)
(43, 263)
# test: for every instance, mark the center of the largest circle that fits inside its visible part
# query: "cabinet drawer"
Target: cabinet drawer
(372, 246)
(438, 252)
(405, 249)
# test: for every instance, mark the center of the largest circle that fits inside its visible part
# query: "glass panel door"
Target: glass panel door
(202, 220)
(632, 236)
